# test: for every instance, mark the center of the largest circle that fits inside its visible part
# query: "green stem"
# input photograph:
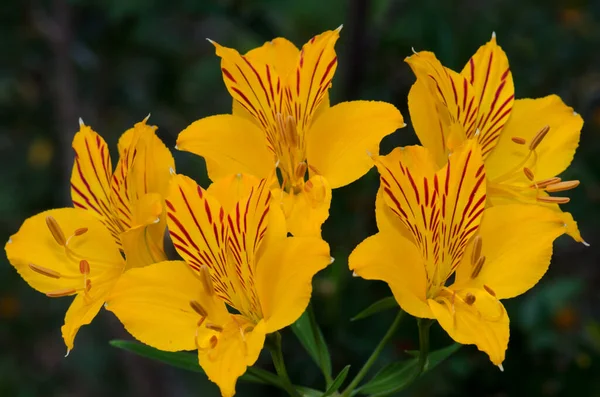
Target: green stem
(363, 371)
(274, 346)
(422, 362)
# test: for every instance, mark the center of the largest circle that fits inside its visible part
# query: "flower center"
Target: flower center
(290, 150)
(507, 184)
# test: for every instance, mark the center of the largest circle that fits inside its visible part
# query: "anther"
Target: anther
(528, 173)
(562, 186)
(206, 280)
(84, 267)
(518, 140)
(470, 299)
(55, 230)
(489, 290)
(80, 231)
(213, 342)
(88, 285)
(537, 139)
(477, 267)
(214, 327)
(60, 293)
(554, 200)
(44, 271)
(197, 307)
(545, 182)
(476, 253)
(308, 186)
(301, 170)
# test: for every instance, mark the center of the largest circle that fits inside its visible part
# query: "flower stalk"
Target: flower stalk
(369, 363)
(273, 343)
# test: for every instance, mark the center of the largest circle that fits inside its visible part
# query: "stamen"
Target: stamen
(477, 267)
(84, 267)
(206, 280)
(214, 327)
(539, 137)
(197, 307)
(308, 186)
(489, 290)
(518, 140)
(470, 299)
(80, 231)
(554, 200)
(545, 182)
(88, 285)
(201, 321)
(301, 170)
(44, 271)
(213, 341)
(528, 173)
(562, 186)
(55, 230)
(61, 292)
(476, 253)
(290, 129)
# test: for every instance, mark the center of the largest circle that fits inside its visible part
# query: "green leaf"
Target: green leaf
(308, 392)
(379, 306)
(308, 332)
(189, 362)
(337, 382)
(399, 374)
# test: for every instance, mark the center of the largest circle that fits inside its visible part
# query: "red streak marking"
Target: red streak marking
(245, 99)
(228, 75)
(259, 81)
(426, 188)
(328, 69)
(170, 205)
(472, 67)
(487, 76)
(414, 186)
(183, 230)
(396, 202)
(208, 213)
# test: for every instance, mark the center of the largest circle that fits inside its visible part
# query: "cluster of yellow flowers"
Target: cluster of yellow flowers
(464, 220)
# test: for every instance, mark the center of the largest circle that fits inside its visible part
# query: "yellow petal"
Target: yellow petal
(342, 141)
(517, 245)
(143, 242)
(489, 74)
(307, 88)
(389, 257)
(35, 245)
(253, 222)
(442, 211)
(284, 278)
(484, 323)
(230, 145)
(197, 228)
(256, 86)
(556, 150)
(235, 348)
(280, 53)
(231, 189)
(85, 306)
(307, 210)
(440, 97)
(153, 303)
(90, 179)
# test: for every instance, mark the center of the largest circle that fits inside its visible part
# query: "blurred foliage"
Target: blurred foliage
(112, 62)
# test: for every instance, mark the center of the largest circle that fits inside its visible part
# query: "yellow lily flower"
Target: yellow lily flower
(79, 251)
(526, 143)
(433, 226)
(282, 118)
(238, 256)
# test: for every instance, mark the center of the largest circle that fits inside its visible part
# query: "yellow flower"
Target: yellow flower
(282, 118)
(238, 257)
(79, 251)
(433, 228)
(525, 143)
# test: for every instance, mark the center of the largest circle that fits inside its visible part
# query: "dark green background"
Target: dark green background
(112, 62)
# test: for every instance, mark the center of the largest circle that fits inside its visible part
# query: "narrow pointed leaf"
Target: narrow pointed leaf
(308, 332)
(337, 382)
(308, 392)
(189, 362)
(379, 306)
(398, 375)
